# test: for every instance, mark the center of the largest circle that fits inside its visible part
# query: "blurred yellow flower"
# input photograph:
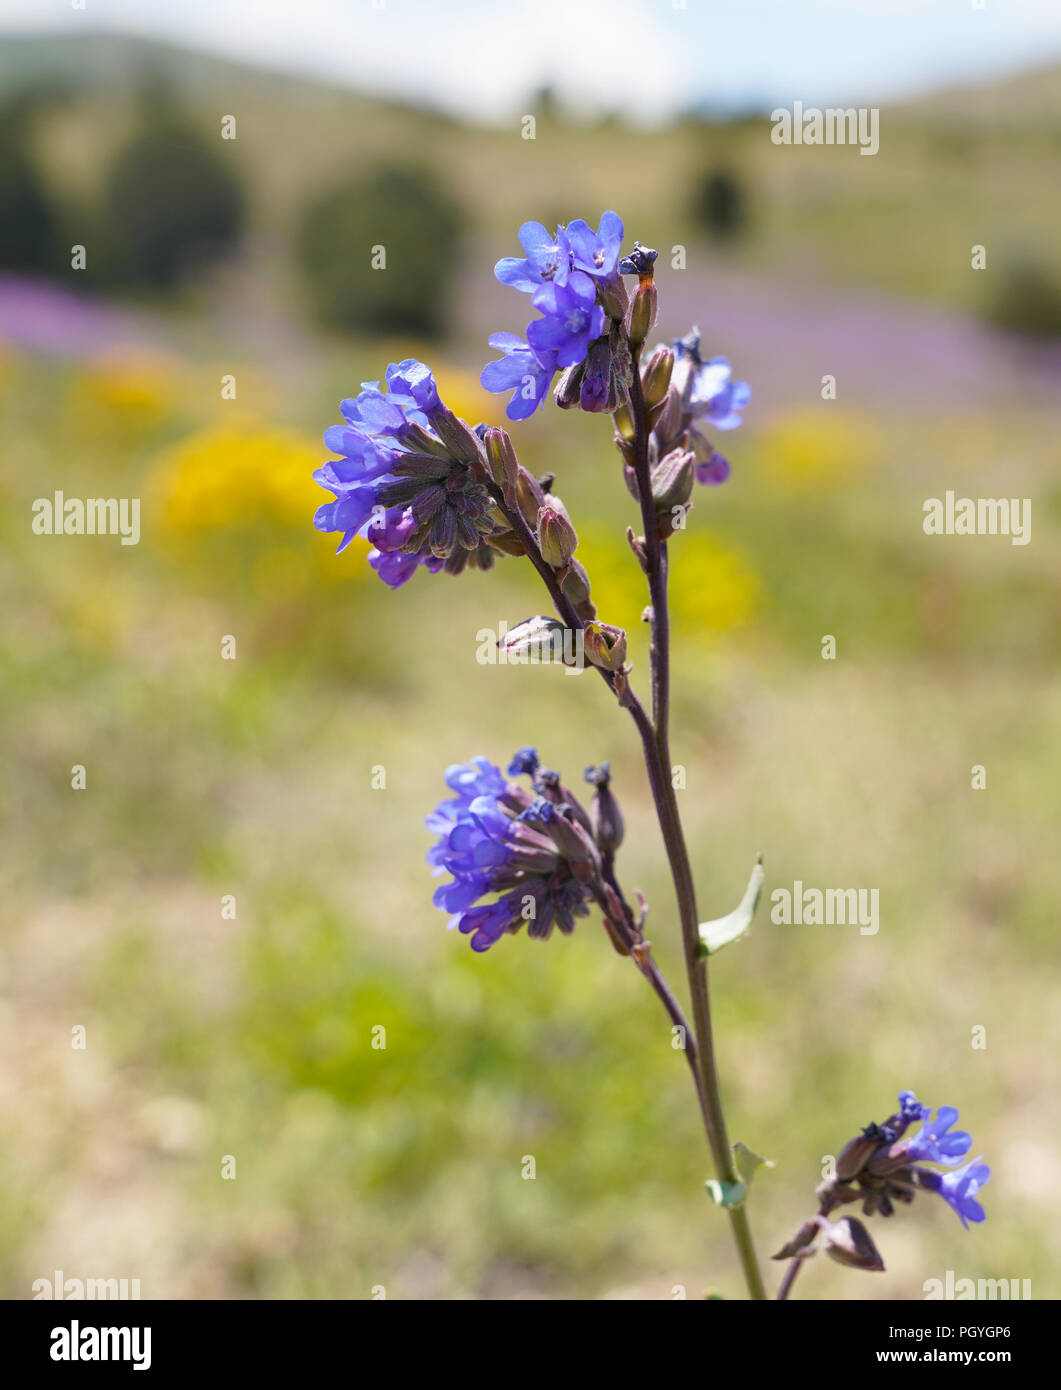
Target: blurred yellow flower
(253, 481)
(712, 589)
(820, 447)
(123, 393)
(238, 475)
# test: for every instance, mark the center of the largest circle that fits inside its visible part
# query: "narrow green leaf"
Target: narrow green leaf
(749, 1162)
(722, 930)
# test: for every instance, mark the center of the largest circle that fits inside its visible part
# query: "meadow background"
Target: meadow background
(252, 1037)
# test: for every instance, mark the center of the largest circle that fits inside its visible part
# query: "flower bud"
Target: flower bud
(529, 495)
(556, 536)
(443, 534)
(462, 441)
(624, 422)
(573, 841)
(597, 389)
(643, 309)
(501, 458)
(613, 297)
(605, 645)
(798, 1245)
(854, 1155)
(507, 542)
(683, 377)
(622, 373)
(535, 639)
(604, 810)
(575, 585)
(672, 480)
(669, 421)
(416, 437)
(849, 1243)
(656, 375)
(569, 387)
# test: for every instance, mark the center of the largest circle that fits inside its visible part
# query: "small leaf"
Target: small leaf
(726, 1194)
(749, 1162)
(720, 931)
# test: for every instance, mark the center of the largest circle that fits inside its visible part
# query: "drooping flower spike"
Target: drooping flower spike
(882, 1167)
(529, 850)
(410, 478)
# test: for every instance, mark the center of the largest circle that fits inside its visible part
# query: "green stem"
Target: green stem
(658, 762)
(656, 748)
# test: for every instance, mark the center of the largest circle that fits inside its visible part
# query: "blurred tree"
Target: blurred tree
(27, 222)
(171, 204)
(379, 252)
(1026, 298)
(719, 204)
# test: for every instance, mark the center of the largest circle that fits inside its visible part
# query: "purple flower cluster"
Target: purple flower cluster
(884, 1162)
(407, 478)
(935, 1143)
(571, 277)
(529, 850)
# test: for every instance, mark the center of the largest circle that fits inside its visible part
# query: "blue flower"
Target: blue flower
(714, 471)
(571, 319)
(414, 382)
(389, 533)
(932, 1143)
(597, 253)
(910, 1108)
(717, 399)
(706, 390)
(548, 260)
(405, 479)
(522, 370)
(959, 1190)
(524, 760)
(498, 840)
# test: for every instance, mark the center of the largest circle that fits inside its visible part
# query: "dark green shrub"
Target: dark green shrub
(171, 204)
(719, 204)
(27, 223)
(1026, 298)
(419, 226)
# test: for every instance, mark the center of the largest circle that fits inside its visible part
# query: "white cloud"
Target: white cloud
(483, 57)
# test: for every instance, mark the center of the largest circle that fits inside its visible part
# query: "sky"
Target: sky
(480, 58)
